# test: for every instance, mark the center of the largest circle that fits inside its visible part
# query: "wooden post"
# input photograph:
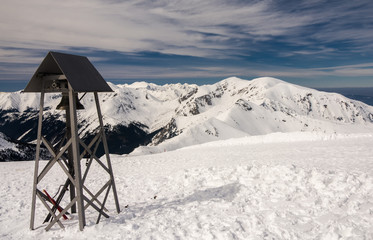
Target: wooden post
(36, 170)
(106, 148)
(70, 158)
(76, 158)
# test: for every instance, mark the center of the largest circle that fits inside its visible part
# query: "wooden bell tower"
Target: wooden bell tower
(70, 75)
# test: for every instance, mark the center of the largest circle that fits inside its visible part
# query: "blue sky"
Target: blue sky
(311, 43)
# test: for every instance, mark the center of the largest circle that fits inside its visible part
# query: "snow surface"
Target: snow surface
(278, 186)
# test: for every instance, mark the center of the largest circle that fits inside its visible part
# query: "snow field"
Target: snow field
(279, 186)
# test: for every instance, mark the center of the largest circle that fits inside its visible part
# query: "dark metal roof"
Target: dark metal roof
(78, 70)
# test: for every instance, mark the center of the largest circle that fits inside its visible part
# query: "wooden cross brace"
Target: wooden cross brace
(58, 155)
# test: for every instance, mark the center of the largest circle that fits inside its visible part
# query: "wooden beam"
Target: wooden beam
(94, 197)
(50, 211)
(53, 161)
(76, 158)
(94, 206)
(61, 214)
(106, 148)
(36, 169)
(103, 205)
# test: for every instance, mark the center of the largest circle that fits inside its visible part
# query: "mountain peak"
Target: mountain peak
(232, 79)
(261, 83)
(269, 81)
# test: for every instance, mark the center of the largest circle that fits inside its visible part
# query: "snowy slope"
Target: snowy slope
(128, 103)
(5, 143)
(298, 185)
(17, 151)
(235, 108)
(177, 115)
(131, 112)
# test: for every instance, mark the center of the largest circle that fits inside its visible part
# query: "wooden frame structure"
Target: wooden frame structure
(69, 74)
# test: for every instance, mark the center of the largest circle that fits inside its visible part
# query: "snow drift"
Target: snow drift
(317, 186)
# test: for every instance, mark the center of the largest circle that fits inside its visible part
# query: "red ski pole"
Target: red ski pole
(55, 204)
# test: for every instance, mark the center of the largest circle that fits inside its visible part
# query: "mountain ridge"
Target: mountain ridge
(261, 106)
(171, 116)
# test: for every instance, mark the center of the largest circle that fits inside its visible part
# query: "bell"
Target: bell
(64, 104)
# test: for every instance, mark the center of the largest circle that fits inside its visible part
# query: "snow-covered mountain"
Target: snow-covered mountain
(235, 107)
(132, 114)
(176, 115)
(17, 151)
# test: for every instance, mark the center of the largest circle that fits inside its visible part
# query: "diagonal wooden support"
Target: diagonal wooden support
(53, 161)
(54, 151)
(60, 143)
(67, 160)
(103, 204)
(59, 198)
(56, 219)
(91, 201)
(94, 156)
(71, 178)
(87, 169)
(55, 205)
(94, 206)
(60, 147)
(49, 209)
(95, 197)
(96, 140)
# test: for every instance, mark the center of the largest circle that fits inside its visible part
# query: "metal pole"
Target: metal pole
(76, 158)
(36, 169)
(106, 148)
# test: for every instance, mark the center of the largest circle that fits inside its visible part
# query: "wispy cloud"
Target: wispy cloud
(198, 28)
(257, 70)
(18, 56)
(209, 29)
